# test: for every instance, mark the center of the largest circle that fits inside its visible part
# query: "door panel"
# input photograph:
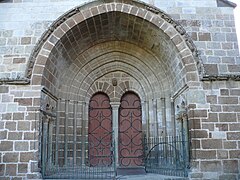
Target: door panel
(100, 131)
(130, 131)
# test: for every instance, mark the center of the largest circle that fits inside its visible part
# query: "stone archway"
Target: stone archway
(62, 30)
(116, 47)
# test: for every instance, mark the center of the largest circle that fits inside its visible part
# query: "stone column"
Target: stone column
(164, 119)
(50, 133)
(144, 119)
(85, 106)
(66, 134)
(173, 117)
(115, 115)
(44, 143)
(155, 117)
(57, 132)
(183, 118)
(75, 105)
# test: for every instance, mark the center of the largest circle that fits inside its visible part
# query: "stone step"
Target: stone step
(150, 177)
(131, 171)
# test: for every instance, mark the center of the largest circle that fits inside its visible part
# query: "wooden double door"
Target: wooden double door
(100, 131)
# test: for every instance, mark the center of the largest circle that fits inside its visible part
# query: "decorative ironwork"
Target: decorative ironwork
(166, 155)
(64, 150)
(65, 153)
(100, 131)
(130, 131)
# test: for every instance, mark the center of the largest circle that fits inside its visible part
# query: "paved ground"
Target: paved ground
(149, 177)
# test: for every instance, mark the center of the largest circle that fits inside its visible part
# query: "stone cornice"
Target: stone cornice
(221, 77)
(12, 81)
(227, 3)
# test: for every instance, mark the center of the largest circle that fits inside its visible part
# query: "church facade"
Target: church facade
(112, 87)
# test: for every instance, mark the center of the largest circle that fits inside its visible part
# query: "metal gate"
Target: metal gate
(69, 150)
(130, 131)
(64, 143)
(166, 155)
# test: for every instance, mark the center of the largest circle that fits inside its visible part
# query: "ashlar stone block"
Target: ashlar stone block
(10, 157)
(233, 135)
(230, 166)
(3, 134)
(11, 169)
(227, 117)
(6, 145)
(27, 156)
(23, 168)
(210, 166)
(194, 96)
(21, 146)
(211, 143)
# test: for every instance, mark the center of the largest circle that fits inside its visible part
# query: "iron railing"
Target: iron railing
(166, 155)
(64, 150)
(80, 172)
(77, 167)
(64, 146)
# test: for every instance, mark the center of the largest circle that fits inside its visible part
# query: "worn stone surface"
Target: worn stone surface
(230, 166)
(152, 57)
(212, 144)
(210, 166)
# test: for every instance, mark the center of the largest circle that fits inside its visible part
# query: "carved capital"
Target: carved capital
(181, 112)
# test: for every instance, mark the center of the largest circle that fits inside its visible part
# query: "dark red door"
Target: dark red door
(100, 131)
(130, 131)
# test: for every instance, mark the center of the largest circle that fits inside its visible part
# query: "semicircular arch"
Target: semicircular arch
(166, 26)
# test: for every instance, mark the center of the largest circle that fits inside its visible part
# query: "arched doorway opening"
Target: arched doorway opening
(130, 131)
(100, 131)
(113, 48)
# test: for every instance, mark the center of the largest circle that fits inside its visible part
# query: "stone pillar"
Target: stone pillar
(66, 134)
(144, 119)
(182, 117)
(75, 105)
(155, 117)
(44, 143)
(173, 117)
(50, 133)
(115, 115)
(147, 119)
(84, 132)
(57, 132)
(164, 119)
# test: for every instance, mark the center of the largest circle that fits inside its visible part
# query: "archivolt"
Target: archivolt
(58, 30)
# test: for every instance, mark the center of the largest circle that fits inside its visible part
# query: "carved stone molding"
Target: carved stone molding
(221, 77)
(181, 112)
(226, 3)
(11, 81)
(138, 4)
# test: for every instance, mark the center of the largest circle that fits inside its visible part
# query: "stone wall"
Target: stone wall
(212, 29)
(213, 111)
(216, 132)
